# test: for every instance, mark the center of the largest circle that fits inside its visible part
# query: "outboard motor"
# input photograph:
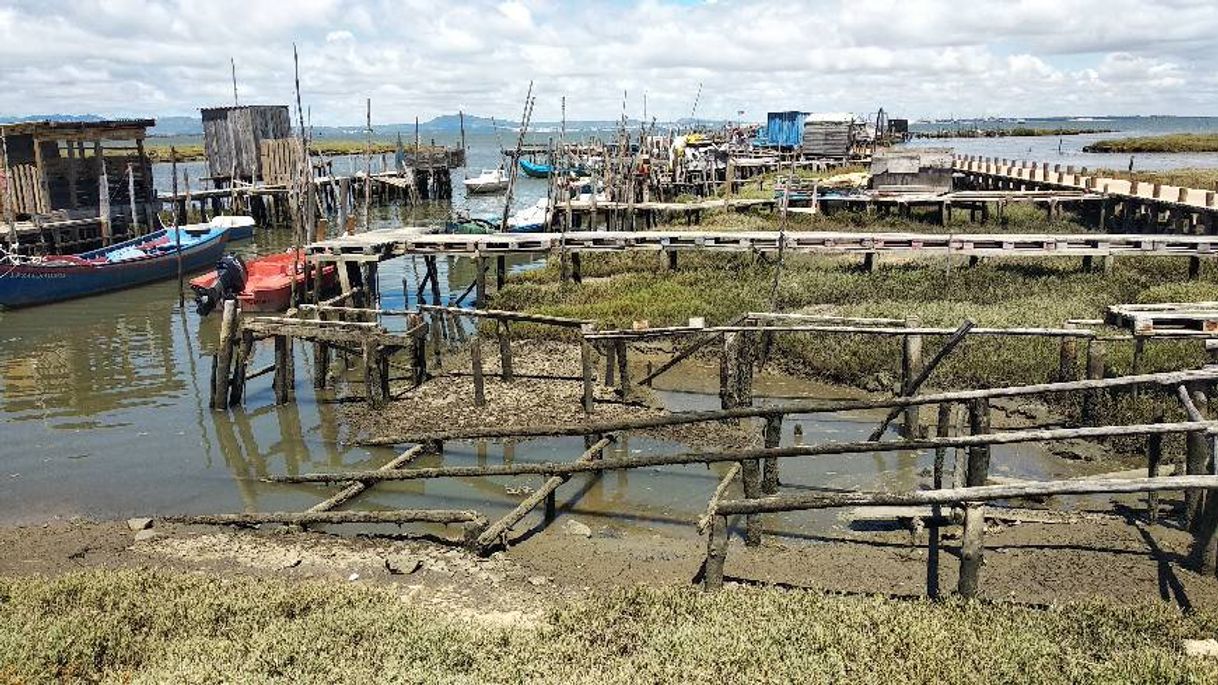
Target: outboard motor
(230, 280)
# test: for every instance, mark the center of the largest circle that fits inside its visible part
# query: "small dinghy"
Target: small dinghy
(530, 219)
(534, 170)
(263, 285)
(239, 227)
(489, 181)
(28, 281)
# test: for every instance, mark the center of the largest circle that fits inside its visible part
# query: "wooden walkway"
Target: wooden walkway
(381, 245)
(1041, 174)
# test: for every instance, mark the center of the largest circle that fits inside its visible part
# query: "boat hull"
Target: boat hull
(268, 286)
(30, 285)
(535, 170)
(485, 188)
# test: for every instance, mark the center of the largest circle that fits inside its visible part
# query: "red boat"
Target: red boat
(266, 285)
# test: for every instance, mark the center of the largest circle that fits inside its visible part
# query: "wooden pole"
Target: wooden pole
(587, 367)
(913, 356)
(224, 356)
(356, 488)
(772, 439)
(716, 555)
(317, 517)
(801, 407)
(1095, 371)
(285, 375)
(971, 549)
(495, 534)
(505, 351)
(177, 236)
(711, 457)
(475, 354)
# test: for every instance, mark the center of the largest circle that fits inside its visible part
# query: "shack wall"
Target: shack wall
(236, 133)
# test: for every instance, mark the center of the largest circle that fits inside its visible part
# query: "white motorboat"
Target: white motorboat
(489, 181)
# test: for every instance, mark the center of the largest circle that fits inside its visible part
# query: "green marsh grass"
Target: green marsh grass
(147, 627)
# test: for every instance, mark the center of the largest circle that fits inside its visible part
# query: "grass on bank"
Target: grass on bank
(140, 626)
(1173, 142)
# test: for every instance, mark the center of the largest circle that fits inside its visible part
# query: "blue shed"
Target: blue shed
(785, 129)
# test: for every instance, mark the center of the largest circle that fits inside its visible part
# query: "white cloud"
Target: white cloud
(418, 57)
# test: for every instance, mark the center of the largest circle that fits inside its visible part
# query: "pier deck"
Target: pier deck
(379, 245)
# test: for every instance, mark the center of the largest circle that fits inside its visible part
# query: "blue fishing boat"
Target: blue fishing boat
(534, 170)
(29, 281)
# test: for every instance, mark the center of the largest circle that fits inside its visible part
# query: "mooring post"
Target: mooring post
(224, 356)
(773, 438)
(505, 351)
(1095, 371)
(586, 364)
(911, 367)
(285, 370)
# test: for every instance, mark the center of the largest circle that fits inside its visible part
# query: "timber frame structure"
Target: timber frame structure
(75, 185)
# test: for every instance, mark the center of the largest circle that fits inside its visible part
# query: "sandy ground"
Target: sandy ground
(1122, 561)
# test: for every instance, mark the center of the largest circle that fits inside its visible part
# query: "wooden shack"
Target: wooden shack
(53, 177)
(233, 138)
(828, 135)
(927, 169)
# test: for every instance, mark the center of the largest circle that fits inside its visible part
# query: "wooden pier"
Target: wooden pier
(1128, 205)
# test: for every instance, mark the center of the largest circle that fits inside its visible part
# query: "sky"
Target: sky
(915, 58)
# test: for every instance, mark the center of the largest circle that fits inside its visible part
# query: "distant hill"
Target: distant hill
(13, 119)
(177, 126)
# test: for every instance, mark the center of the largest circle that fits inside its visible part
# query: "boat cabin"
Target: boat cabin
(67, 186)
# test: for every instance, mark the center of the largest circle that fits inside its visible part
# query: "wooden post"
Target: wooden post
(435, 329)
(716, 554)
(943, 425)
(978, 455)
(576, 268)
(610, 363)
(1154, 454)
(500, 272)
(224, 356)
(479, 282)
(911, 367)
(773, 438)
(971, 549)
(376, 382)
(1095, 370)
(285, 371)
(1067, 358)
(475, 355)
(321, 356)
(587, 365)
(505, 351)
(750, 476)
(623, 369)
(1195, 464)
(245, 354)
(728, 355)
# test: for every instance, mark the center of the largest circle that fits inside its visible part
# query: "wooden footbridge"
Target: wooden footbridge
(376, 246)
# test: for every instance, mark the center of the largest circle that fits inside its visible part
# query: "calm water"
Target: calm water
(1069, 149)
(103, 403)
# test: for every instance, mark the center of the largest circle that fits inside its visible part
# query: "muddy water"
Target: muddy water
(103, 404)
(103, 412)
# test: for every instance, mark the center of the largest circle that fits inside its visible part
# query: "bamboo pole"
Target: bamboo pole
(707, 457)
(496, 533)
